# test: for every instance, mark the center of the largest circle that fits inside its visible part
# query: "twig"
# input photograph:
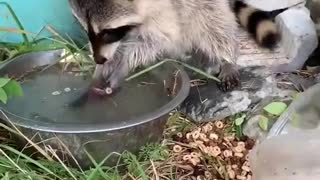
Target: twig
(154, 170)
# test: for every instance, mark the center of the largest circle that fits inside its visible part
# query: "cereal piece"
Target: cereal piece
(244, 173)
(195, 135)
(229, 138)
(108, 90)
(240, 155)
(186, 157)
(247, 157)
(207, 128)
(213, 136)
(204, 149)
(219, 124)
(194, 161)
(227, 153)
(194, 154)
(246, 168)
(204, 137)
(234, 166)
(238, 149)
(215, 151)
(242, 144)
(207, 174)
(241, 177)
(179, 134)
(193, 144)
(177, 148)
(246, 163)
(67, 89)
(201, 178)
(249, 177)
(231, 174)
(188, 136)
(56, 93)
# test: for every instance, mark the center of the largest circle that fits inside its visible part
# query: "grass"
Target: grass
(15, 164)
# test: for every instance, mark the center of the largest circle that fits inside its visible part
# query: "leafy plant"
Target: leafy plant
(263, 122)
(134, 167)
(276, 108)
(238, 125)
(156, 152)
(9, 88)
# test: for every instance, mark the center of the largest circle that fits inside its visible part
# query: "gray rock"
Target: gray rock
(299, 38)
(269, 5)
(208, 103)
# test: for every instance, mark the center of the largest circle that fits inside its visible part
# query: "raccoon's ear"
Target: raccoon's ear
(115, 34)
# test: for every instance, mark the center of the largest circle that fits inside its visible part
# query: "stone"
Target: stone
(299, 38)
(208, 103)
(269, 5)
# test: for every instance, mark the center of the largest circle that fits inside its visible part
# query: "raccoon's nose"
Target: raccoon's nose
(100, 59)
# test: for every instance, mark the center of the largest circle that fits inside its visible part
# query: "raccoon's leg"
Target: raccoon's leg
(216, 37)
(134, 52)
(227, 72)
(229, 76)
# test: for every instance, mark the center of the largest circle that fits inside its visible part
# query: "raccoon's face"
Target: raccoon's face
(108, 23)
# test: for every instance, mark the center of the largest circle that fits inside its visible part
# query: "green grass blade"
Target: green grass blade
(174, 61)
(15, 17)
(98, 168)
(36, 163)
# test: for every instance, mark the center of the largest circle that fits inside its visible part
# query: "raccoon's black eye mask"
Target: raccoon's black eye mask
(108, 36)
(113, 35)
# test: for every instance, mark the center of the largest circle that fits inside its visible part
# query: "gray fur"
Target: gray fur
(166, 28)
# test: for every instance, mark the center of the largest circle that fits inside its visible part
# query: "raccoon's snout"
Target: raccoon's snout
(99, 59)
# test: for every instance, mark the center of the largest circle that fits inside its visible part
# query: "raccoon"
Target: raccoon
(126, 34)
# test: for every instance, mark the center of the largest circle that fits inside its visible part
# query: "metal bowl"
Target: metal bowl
(134, 116)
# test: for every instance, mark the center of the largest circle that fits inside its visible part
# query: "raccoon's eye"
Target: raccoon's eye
(113, 35)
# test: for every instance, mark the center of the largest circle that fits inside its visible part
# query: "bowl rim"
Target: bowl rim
(94, 128)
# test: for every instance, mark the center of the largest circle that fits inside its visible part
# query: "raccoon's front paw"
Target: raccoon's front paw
(229, 77)
(114, 73)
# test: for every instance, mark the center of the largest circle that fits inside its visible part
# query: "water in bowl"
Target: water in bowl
(48, 93)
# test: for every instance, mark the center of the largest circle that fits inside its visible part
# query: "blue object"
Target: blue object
(35, 15)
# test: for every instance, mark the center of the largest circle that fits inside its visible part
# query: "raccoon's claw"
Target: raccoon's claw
(230, 78)
(113, 75)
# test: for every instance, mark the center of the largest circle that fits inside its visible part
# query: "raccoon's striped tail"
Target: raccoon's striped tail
(259, 23)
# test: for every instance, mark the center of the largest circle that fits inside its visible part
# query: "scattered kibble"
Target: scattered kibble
(56, 93)
(231, 174)
(238, 149)
(67, 89)
(219, 124)
(186, 157)
(240, 155)
(210, 140)
(239, 177)
(179, 134)
(227, 153)
(246, 168)
(214, 136)
(195, 134)
(109, 91)
(177, 148)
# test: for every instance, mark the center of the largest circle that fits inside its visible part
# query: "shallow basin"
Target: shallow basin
(132, 117)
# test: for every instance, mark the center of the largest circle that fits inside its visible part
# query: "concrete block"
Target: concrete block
(269, 5)
(299, 37)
